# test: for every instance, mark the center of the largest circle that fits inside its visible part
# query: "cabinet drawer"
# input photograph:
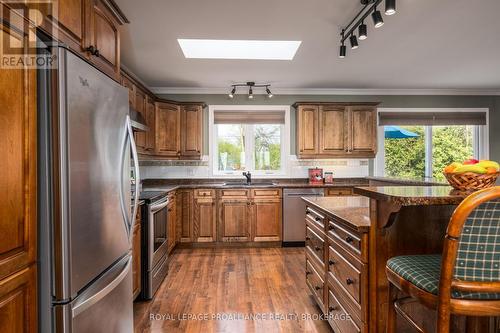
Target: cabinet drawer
(339, 315)
(204, 193)
(315, 245)
(351, 241)
(315, 217)
(234, 193)
(329, 192)
(260, 192)
(315, 283)
(346, 274)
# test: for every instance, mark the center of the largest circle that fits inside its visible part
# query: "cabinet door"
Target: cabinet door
(140, 106)
(204, 227)
(127, 83)
(18, 219)
(307, 130)
(191, 134)
(363, 131)
(18, 297)
(184, 228)
(167, 132)
(105, 38)
(234, 220)
(266, 220)
(171, 221)
(333, 130)
(136, 260)
(150, 121)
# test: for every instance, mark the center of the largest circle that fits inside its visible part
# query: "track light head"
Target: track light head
(378, 21)
(269, 93)
(354, 42)
(233, 91)
(363, 31)
(343, 51)
(390, 7)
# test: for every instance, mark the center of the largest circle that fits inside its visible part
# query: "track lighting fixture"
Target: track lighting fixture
(354, 42)
(231, 94)
(358, 23)
(390, 7)
(378, 21)
(251, 86)
(362, 31)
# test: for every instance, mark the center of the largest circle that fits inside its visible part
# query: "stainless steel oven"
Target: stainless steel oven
(154, 241)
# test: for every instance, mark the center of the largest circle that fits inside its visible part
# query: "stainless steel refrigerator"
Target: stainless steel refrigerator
(85, 208)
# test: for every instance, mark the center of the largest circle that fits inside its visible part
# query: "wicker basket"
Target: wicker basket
(471, 181)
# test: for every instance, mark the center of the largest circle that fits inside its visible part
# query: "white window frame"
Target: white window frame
(481, 137)
(285, 142)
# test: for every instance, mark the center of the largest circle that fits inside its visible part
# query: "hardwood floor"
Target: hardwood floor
(221, 284)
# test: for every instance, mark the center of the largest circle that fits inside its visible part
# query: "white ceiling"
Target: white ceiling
(428, 44)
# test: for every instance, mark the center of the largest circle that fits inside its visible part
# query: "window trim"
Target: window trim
(285, 137)
(481, 135)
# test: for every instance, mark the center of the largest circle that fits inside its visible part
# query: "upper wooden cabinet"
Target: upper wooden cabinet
(167, 130)
(191, 133)
(331, 130)
(150, 121)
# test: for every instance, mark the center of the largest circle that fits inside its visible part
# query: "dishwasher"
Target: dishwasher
(294, 212)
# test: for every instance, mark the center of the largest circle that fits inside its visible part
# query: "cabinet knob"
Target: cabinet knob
(349, 239)
(331, 262)
(308, 238)
(92, 50)
(317, 219)
(331, 227)
(317, 287)
(317, 248)
(308, 273)
(349, 281)
(332, 308)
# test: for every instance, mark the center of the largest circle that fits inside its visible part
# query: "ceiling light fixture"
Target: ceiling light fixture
(251, 85)
(358, 23)
(390, 7)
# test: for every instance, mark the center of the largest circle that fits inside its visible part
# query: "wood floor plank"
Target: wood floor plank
(222, 287)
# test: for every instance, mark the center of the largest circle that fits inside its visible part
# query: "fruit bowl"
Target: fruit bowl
(471, 181)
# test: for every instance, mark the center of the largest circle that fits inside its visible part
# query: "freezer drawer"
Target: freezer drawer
(105, 306)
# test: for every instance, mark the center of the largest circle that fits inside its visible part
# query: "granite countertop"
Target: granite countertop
(409, 181)
(352, 210)
(413, 195)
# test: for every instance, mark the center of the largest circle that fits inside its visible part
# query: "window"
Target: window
(244, 139)
(434, 140)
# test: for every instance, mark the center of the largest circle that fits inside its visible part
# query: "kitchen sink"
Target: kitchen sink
(244, 184)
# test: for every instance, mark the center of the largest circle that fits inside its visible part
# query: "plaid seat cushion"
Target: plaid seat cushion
(424, 271)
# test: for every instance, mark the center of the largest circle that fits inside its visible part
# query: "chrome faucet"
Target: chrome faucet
(248, 176)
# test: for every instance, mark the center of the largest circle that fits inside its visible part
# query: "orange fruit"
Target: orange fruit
(490, 170)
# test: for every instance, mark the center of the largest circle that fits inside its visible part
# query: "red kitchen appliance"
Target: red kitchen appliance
(315, 176)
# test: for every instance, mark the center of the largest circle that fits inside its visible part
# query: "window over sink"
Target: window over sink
(249, 138)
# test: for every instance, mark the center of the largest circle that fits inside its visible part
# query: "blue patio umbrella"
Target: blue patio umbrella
(396, 132)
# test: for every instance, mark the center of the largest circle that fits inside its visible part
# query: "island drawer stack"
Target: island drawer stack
(337, 269)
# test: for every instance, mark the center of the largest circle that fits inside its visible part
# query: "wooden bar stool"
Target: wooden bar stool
(465, 279)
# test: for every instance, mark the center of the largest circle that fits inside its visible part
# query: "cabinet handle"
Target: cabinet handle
(317, 219)
(332, 308)
(331, 227)
(317, 287)
(308, 238)
(317, 248)
(349, 239)
(331, 262)
(349, 281)
(169, 210)
(308, 273)
(96, 53)
(92, 50)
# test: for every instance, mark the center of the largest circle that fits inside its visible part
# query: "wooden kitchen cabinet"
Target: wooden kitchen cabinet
(136, 256)
(18, 211)
(150, 121)
(171, 222)
(234, 223)
(333, 130)
(167, 130)
(184, 228)
(140, 107)
(204, 216)
(191, 131)
(266, 219)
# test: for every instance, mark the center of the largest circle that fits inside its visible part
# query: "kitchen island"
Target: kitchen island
(359, 239)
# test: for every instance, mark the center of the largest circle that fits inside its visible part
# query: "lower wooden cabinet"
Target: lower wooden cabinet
(184, 226)
(204, 218)
(18, 298)
(171, 222)
(234, 220)
(266, 219)
(136, 256)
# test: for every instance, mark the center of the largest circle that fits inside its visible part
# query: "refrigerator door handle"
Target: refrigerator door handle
(84, 305)
(135, 156)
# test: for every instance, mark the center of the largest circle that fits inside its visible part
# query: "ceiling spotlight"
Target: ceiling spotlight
(269, 93)
(250, 93)
(354, 42)
(363, 31)
(343, 50)
(390, 7)
(231, 94)
(378, 21)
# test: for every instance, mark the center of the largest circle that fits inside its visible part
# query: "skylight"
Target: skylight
(239, 49)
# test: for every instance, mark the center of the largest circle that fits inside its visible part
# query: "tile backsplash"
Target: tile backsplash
(341, 168)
